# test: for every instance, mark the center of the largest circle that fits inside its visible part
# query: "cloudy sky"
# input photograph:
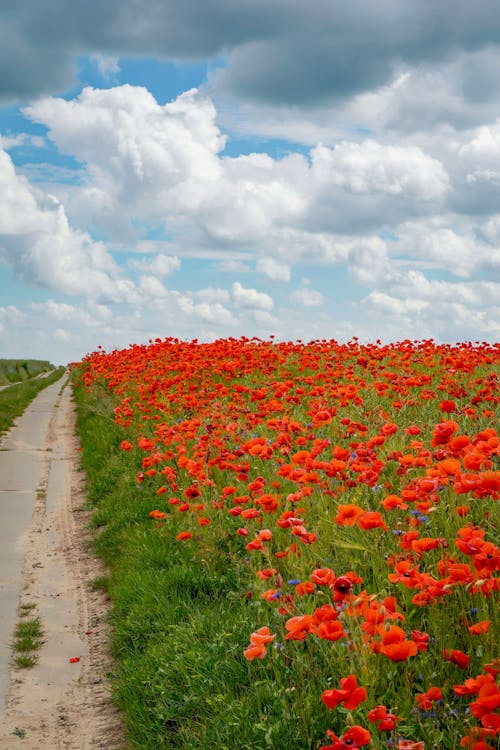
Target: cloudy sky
(212, 168)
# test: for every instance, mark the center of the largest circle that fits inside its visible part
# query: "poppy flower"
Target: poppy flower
(255, 651)
(299, 627)
(425, 700)
(158, 515)
(347, 515)
(385, 721)
(371, 520)
(479, 627)
(330, 630)
(323, 576)
(183, 535)
(447, 407)
(258, 641)
(355, 736)
(349, 694)
(457, 657)
(304, 588)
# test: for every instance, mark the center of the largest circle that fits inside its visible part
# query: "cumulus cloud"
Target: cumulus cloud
(371, 167)
(307, 297)
(250, 298)
(39, 244)
(162, 164)
(159, 265)
(273, 269)
(387, 206)
(451, 311)
(279, 51)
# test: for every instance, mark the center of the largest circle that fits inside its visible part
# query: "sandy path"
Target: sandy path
(57, 704)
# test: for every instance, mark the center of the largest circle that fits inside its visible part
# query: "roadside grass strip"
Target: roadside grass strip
(28, 638)
(17, 370)
(300, 541)
(15, 399)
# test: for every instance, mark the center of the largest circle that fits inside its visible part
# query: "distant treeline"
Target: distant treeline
(17, 370)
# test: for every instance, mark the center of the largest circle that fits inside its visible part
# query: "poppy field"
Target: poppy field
(302, 541)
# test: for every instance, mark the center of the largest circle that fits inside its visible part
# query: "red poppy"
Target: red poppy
(330, 630)
(347, 515)
(355, 736)
(371, 520)
(425, 700)
(385, 721)
(479, 627)
(349, 694)
(457, 657)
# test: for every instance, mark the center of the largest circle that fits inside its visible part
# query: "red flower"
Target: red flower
(457, 657)
(349, 694)
(371, 519)
(479, 627)
(347, 515)
(258, 641)
(447, 407)
(330, 630)
(425, 700)
(355, 736)
(386, 721)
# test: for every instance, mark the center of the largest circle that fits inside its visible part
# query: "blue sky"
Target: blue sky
(218, 169)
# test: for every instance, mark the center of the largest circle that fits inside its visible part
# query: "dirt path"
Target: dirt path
(57, 704)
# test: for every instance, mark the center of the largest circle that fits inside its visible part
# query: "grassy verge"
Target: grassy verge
(14, 400)
(17, 370)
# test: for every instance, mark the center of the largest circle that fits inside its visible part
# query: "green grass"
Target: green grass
(18, 370)
(25, 609)
(28, 639)
(15, 399)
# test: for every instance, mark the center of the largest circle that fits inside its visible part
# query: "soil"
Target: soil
(60, 704)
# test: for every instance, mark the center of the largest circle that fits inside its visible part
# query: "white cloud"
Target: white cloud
(307, 297)
(233, 266)
(388, 208)
(39, 244)
(273, 269)
(371, 167)
(214, 313)
(107, 65)
(152, 287)
(11, 314)
(211, 294)
(160, 265)
(250, 298)
(8, 142)
(62, 336)
(449, 311)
